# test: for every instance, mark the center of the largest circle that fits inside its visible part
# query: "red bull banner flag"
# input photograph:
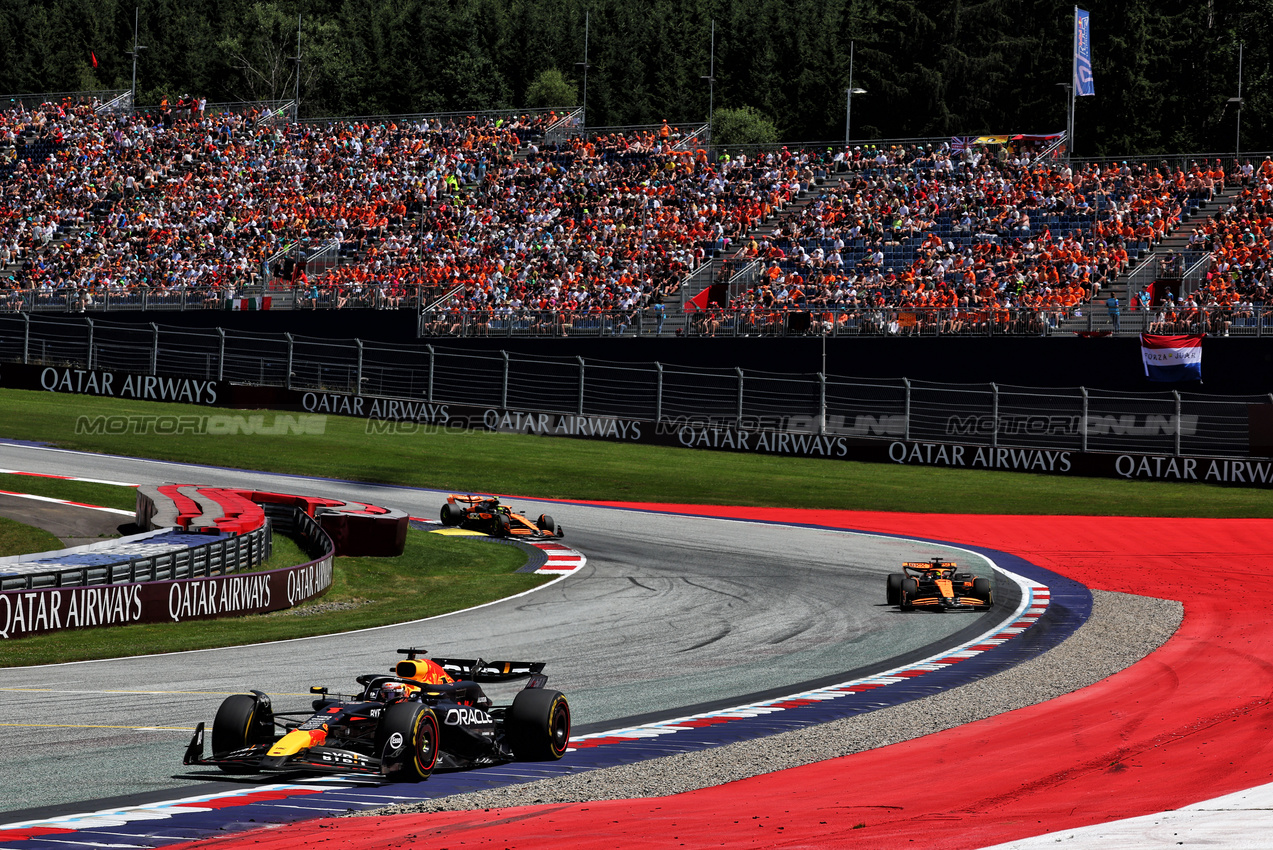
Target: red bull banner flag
(1083, 85)
(1172, 358)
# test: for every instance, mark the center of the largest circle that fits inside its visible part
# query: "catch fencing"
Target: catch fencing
(1076, 419)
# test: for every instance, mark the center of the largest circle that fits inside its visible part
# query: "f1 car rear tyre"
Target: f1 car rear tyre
(538, 725)
(239, 723)
(407, 741)
(546, 524)
(909, 588)
(894, 592)
(981, 588)
(451, 515)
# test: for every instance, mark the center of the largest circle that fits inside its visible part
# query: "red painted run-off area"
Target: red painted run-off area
(1190, 722)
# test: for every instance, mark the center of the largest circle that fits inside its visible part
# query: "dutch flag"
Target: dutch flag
(1172, 358)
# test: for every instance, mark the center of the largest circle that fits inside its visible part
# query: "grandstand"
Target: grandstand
(520, 223)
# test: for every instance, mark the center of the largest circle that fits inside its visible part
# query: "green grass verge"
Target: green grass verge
(19, 539)
(582, 469)
(105, 495)
(284, 552)
(435, 575)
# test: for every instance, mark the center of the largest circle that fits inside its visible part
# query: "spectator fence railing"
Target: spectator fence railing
(696, 281)
(412, 117)
(122, 102)
(696, 137)
(438, 320)
(560, 130)
(31, 100)
(1073, 419)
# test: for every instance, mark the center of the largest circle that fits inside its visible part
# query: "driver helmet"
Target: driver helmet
(392, 692)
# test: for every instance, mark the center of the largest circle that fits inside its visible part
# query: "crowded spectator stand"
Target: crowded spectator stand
(484, 227)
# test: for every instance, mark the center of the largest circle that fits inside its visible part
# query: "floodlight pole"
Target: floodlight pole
(711, 85)
(584, 65)
(1237, 139)
(296, 101)
(848, 101)
(136, 47)
(1069, 121)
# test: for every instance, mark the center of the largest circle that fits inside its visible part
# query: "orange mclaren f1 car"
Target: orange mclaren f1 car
(936, 585)
(487, 515)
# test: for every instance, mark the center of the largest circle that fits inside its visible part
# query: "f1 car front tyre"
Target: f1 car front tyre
(546, 524)
(981, 589)
(407, 741)
(240, 722)
(909, 588)
(894, 592)
(503, 526)
(538, 725)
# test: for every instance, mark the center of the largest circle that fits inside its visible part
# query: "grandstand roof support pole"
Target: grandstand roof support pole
(89, 365)
(739, 413)
(221, 354)
(26, 338)
(154, 349)
(581, 384)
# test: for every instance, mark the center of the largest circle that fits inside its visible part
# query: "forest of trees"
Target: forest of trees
(1164, 69)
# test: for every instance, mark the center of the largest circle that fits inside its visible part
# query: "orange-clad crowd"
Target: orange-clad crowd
(927, 235)
(477, 215)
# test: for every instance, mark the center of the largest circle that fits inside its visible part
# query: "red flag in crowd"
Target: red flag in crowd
(94, 55)
(699, 302)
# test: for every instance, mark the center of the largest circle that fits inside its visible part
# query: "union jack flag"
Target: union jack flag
(961, 143)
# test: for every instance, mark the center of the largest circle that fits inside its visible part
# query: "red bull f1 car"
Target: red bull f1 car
(427, 714)
(487, 515)
(937, 585)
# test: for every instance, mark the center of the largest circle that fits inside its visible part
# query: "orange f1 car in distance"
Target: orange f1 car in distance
(936, 585)
(487, 515)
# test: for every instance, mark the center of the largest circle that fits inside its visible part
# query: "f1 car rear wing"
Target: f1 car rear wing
(478, 670)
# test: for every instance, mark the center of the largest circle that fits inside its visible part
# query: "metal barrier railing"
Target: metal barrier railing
(120, 103)
(1171, 423)
(32, 99)
(218, 557)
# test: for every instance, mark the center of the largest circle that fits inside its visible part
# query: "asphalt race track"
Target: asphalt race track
(1174, 750)
(671, 613)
